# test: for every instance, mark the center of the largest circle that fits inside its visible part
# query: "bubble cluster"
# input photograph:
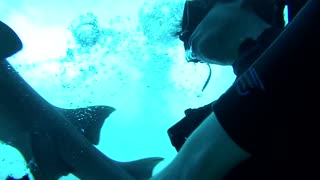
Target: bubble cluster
(85, 30)
(160, 20)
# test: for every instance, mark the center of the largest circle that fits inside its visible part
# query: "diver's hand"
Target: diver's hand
(179, 132)
(141, 169)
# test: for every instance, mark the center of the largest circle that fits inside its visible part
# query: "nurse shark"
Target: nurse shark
(55, 141)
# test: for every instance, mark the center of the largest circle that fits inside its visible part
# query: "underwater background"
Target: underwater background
(117, 53)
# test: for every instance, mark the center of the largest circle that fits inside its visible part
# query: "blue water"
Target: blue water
(116, 53)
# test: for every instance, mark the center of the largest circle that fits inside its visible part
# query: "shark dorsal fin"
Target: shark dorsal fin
(10, 43)
(88, 120)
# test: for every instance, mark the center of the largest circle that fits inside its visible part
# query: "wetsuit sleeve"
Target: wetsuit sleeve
(249, 112)
(256, 110)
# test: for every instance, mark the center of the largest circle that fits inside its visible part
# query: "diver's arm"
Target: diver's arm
(209, 153)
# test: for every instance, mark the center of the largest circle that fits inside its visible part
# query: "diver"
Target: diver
(243, 134)
(248, 122)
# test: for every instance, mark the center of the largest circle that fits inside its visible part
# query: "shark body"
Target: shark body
(55, 141)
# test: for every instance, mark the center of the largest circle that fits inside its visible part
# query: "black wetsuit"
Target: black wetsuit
(271, 91)
(249, 51)
(249, 111)
(257, 110)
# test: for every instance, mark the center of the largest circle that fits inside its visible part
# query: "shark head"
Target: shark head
(55, 141)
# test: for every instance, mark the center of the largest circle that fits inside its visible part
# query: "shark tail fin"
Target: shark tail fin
(89, 120)
(142, 168)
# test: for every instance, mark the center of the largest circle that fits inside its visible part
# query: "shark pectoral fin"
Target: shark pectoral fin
(10, 43)
(89, 120)
(47, 164)
(142, 168)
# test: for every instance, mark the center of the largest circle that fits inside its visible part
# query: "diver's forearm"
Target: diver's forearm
(209, 153)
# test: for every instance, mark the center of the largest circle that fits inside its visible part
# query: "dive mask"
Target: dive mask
(193, 13)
